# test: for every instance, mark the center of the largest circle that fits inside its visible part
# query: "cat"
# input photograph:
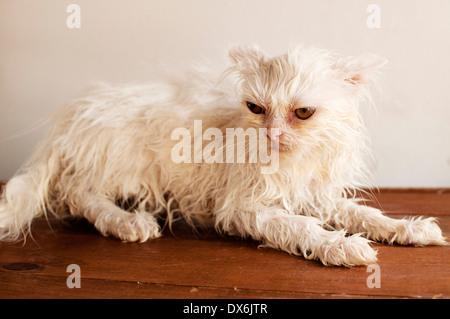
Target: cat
(110, 159)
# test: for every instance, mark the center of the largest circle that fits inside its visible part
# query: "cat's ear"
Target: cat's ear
(358, 71)
(245, 57)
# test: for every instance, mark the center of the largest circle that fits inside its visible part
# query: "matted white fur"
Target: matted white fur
(108, 159)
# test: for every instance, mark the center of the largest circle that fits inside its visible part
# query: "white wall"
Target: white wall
(44, 64)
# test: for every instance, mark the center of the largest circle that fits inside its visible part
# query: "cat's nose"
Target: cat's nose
(274, 133)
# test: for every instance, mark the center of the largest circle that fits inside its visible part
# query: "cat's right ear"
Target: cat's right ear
(359, 71)
(246, 58)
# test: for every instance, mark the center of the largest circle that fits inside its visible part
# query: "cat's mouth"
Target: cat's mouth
(280, 147)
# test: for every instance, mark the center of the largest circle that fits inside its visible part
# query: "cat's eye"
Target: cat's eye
(255, 108)
(304, 113)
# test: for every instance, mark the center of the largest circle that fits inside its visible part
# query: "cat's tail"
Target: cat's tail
(24, 198)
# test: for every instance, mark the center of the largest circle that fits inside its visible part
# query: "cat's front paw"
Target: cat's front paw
(130, 227)
(419, 232)
(347, 251)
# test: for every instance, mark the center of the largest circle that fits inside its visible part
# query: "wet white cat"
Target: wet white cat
(109, 158)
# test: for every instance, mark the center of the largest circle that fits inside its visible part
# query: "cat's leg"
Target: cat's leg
(299, 235)
(356, 218)
(109, 219)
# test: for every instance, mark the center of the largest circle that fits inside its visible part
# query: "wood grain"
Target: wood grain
(206, 265)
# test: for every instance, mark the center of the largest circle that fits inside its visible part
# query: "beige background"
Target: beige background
(43, 63)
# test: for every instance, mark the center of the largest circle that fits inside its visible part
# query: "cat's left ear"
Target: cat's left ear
(246, 58)
(358, 71)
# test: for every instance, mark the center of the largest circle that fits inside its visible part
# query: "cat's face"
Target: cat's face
(307, 98)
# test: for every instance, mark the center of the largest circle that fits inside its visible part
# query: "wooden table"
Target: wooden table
(188, 265)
